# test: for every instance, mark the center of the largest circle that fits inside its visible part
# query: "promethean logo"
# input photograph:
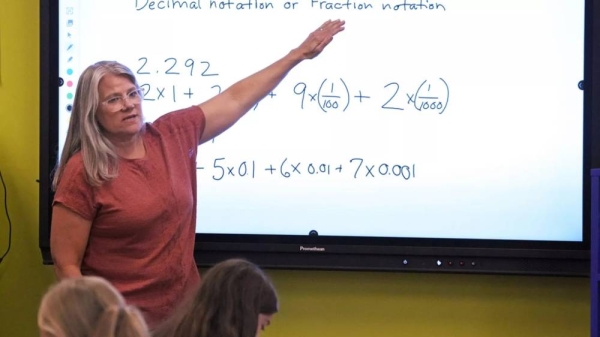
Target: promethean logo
(312, 249)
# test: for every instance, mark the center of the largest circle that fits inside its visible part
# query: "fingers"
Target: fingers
(324, 24)
(320, 38)
(331, 27)
(328, 30)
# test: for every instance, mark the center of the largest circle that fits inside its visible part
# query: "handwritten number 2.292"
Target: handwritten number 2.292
(174, 69)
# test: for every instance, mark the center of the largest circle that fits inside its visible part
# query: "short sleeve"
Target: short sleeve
(74, 192)
(188, 122)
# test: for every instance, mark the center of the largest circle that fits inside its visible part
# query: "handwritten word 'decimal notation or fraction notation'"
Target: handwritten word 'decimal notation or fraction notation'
(355, 168)
(399, 5)
(336, 96)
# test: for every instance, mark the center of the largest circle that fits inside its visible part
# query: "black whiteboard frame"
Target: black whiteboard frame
(356, 253)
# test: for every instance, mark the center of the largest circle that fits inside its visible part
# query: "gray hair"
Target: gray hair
(85, 133)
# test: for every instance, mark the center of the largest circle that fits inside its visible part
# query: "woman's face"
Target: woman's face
(263, 322)
(119, 112)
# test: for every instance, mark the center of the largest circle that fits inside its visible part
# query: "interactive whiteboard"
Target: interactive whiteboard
(423, 119)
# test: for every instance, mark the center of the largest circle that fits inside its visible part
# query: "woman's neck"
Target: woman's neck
(133, 148)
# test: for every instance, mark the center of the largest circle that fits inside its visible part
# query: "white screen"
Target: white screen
(466, 112)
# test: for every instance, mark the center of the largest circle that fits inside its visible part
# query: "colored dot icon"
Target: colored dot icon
(69, 71)
(69, 84)
(70, 96)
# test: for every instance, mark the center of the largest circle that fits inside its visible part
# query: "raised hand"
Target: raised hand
(320, 38)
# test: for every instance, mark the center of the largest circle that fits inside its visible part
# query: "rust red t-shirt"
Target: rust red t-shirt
(143, 221)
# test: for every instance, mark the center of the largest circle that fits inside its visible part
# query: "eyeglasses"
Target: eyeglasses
(117, 103)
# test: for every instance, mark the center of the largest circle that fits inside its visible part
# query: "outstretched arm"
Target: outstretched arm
(223, 110)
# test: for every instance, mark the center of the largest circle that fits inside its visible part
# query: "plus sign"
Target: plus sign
(360, 96)
(270, 168)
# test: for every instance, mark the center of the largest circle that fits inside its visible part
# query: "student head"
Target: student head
(235, 299)
(88, 307)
